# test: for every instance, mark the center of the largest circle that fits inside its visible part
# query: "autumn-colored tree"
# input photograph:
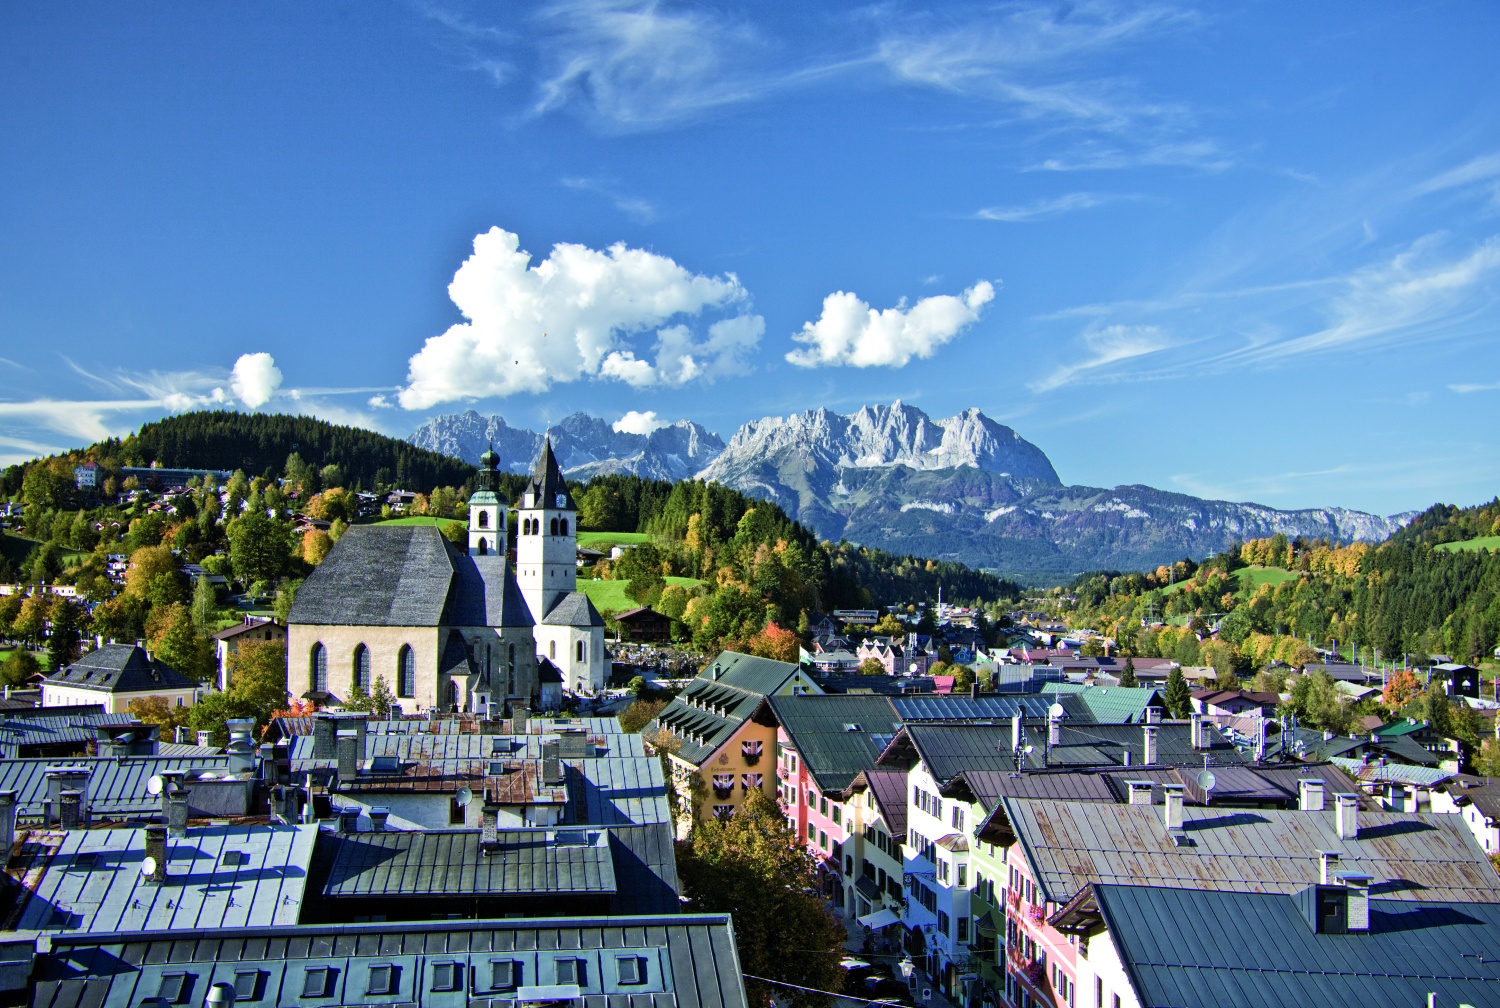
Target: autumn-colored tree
(315, 546)
(154, 710)
(153, 574)
(751, 865)
(889, 626)
(1401, 687)
(32, 617)
(871, 666)
(775, 643)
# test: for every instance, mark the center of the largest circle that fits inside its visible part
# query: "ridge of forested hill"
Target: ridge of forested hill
(1447, 523)
(259, 444)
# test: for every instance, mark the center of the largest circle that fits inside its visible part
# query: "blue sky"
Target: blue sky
(1237, 250)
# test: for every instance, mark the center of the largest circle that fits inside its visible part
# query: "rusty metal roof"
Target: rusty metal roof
(1071, 844)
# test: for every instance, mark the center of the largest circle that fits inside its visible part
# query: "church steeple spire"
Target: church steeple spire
(486, 511)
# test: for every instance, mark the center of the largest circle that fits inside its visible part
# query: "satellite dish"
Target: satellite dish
(1206, 781)
(1057, 710)
(1028, 750)
(148, 865)
(464, 796)
(155, 784)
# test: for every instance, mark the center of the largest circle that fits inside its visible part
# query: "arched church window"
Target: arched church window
(362, 669)
(450, 695)
(554, 526)
(552, 649)
(318, 667)
(406, 668)
(484, 546)
(510, 658)
(484, 519)
(580, 650)
(563, 526)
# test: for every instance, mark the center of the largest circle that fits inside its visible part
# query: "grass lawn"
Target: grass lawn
(1252, 578)
(604, 540)
(611, 594)
(1491, 543)
(417, 520)
(42, 657)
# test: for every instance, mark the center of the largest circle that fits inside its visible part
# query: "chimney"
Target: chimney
(156, 849)
(552, 771)
(348, 757)
(240, 750)
(489, 828)
(1346, 816)
(378, 816)
(1015, 732)
(573, 743)
(1310, 795)
(278, 804)
(69, 801)
(974, 689)
(1153, 715)
(1358, 886)
(349, 819)
(1125, 757)
(7, 822)
(66, 779)
(1054, 731)
(1172, 810)
(1195, 722)
(1148, 757)
(1327, 861)
(1139, 792)
(177, 813)
(325, 730)
(519, 717)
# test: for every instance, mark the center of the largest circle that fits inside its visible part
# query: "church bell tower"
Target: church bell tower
(547, 537)
(486, 512)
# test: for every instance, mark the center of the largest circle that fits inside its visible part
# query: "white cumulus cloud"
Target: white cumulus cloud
(636, 422)
(255, 379)
(850, 332)
(580, 313)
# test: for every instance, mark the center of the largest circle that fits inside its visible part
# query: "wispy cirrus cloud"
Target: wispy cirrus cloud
(1043, 209)
(1416, 294)
(1107, 345)
(1466, 388)
(639, 65)
(1485, 168)
(641, 211)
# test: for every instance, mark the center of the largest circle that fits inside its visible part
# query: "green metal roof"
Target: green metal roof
(833, 733)
(1104, 704)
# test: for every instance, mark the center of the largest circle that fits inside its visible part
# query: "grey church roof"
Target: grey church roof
(573, 609)
(547, 481)
(406, 575)
(379, 575)
(120, 668)
(484, 593)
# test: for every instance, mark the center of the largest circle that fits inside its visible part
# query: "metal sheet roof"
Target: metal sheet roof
(687, 961)
(116, 787)
(1391, 773)
(836, 734)
(953, 708)
(65, 727)
(527, 862)
(1070, 844)
(1411, 950)
(93, 881)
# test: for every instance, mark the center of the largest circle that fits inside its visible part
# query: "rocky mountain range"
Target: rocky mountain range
(585, 446)
(959, 488)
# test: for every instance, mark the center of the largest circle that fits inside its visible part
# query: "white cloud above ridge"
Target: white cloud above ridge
(849, 333)
(255, 379)
(636, 422)
(575, 315)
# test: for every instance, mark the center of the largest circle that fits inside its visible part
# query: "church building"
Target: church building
(446, 628)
